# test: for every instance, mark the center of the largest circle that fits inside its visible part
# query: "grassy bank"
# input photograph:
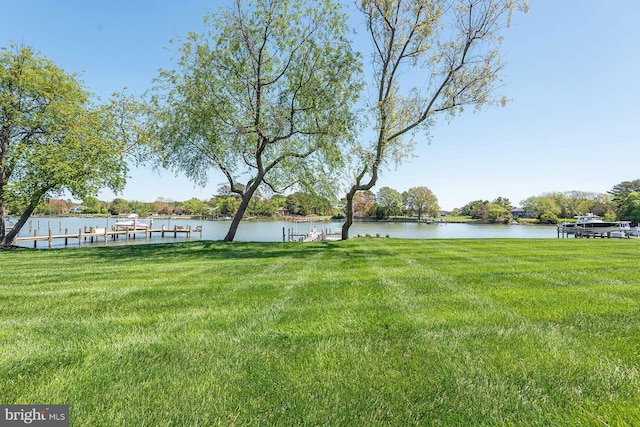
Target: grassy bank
(364, 332)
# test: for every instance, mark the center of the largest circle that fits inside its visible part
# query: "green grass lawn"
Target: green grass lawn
(364, 332)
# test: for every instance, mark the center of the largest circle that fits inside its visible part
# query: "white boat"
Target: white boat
(591, 223)
(591, 220)
(132, 223)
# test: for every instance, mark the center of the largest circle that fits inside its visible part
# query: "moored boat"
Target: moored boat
(591, 220)
(132, 223)
(591, 224)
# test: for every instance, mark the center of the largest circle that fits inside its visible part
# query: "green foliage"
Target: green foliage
(621, 191)
(421, 200)
(364, 204)
(265, 95)
(91, 205)
(476, 209)
(52, 207)
(630, 207)
(624, 199)
(300, 203)
(388, 203)
(119, 206)
(192, 206)
(53, 139)
(548, 218)
(540, 206)
(569, 204)
(498, 214)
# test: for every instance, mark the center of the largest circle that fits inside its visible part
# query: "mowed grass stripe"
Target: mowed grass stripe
(363, 332)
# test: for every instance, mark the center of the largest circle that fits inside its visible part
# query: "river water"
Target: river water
(272, 231)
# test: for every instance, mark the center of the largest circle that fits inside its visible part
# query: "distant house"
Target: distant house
(76, 209)
(519, 213)
(282, 212)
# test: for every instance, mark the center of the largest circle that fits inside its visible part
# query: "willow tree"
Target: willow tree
(263, 96)
(53, 139)
(430, 58)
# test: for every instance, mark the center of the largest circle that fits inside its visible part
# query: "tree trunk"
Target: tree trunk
(349, 214)
(3, 229)
(235, 222)
(6, 239)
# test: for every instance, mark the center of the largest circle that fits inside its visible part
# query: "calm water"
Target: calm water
(271, 231)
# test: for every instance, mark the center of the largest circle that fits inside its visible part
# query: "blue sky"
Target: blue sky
(572, 74)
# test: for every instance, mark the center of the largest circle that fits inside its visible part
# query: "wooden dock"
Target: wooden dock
(95, 234)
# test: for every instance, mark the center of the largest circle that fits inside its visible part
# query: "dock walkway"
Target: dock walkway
(95, 234)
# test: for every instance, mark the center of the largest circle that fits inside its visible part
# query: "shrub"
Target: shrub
(548, 218)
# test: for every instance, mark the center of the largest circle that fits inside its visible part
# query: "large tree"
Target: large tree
(264, 97)
(448, 49)
(388, 203)
(421, 200)
(630, 209)
(620, 192)
(53, 139)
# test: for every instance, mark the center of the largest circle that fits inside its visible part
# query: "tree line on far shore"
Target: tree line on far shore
(622, 202)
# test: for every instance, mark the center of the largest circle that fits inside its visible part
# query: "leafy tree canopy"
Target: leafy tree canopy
(53, 139)
(421, 200)
(388, 203)
(264, 97)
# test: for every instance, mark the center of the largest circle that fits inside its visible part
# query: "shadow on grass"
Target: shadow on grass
(202, 250)
(199, 250)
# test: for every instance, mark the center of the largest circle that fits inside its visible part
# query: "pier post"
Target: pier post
(66, 236)
(79, 235)
(35, 241)
(283, 236)
(50, 238)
